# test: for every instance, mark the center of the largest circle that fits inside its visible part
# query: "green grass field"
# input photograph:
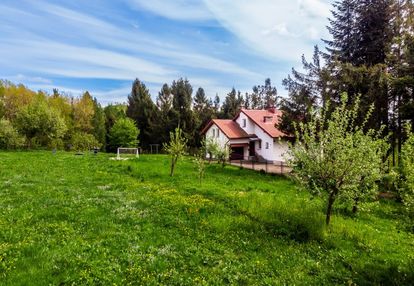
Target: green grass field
(67, 219)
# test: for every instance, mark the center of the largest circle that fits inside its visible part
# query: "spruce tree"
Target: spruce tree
(306, 91)
(374, 31)
(182, 90)
(203, 111)
(232, 104)
(265, 95)
(142, 110)
(342, 27)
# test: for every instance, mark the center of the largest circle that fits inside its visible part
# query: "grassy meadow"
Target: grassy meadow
(71, 220)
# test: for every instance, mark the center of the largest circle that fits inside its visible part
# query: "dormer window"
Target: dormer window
(267, 119)
(244, 122)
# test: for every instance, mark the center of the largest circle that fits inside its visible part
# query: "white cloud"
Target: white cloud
(83, 61)
(25, 78)
(281, 30)
(315, 8)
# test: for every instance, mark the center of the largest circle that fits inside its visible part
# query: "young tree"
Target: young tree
(222, 154)
(216, 151)
(335, 156)
(124, 133)
(176, 147)
(200, 160)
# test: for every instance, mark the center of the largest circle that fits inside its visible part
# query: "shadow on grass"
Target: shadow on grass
(377, 273)
(298, 220)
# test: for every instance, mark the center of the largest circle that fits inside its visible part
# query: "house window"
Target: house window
(218, 133)
(267, 145)
(260, 144)
(214, 132)
(244, 122)
(267, 119)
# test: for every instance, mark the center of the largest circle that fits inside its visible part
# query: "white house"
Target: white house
(251, 135)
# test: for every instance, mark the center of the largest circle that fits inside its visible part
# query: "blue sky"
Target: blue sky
(103, 45)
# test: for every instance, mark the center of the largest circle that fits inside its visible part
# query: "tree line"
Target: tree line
(30, 119)
(175, 106)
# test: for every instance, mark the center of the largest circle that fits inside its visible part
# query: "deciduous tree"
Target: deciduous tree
(176, 147)
(335, 156)
(124, 133)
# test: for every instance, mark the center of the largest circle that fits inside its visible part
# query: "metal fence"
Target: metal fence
(270, 167)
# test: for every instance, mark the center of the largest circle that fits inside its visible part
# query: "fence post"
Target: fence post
(266, 166)
(281, 167)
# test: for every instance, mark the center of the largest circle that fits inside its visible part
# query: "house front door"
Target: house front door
(252, 151)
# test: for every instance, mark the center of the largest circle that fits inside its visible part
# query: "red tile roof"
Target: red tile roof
(229, 127)
(257, 116)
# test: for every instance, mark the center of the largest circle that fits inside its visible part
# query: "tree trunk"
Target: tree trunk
(172, 166)
(355, 207)
(331, 201)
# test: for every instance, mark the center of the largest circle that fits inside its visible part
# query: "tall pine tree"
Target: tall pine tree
(142, 110)
(182, 90)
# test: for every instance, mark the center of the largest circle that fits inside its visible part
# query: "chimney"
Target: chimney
(271, 109)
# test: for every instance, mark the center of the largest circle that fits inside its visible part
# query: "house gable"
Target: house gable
(264, 119)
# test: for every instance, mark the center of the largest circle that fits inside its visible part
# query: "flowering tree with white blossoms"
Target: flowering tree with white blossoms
(335, 156)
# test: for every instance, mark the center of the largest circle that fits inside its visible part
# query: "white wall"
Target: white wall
(267, 154)
(277, 147)
(249, 123)
(221, 140)
(280, 148)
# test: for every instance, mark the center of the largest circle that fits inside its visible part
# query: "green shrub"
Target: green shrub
(407, 174)
(40, 123)
(9, 137)
(81, 141)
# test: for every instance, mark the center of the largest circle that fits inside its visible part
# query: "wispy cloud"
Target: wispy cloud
(217, 44)
(187, 10)
(286, 27)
